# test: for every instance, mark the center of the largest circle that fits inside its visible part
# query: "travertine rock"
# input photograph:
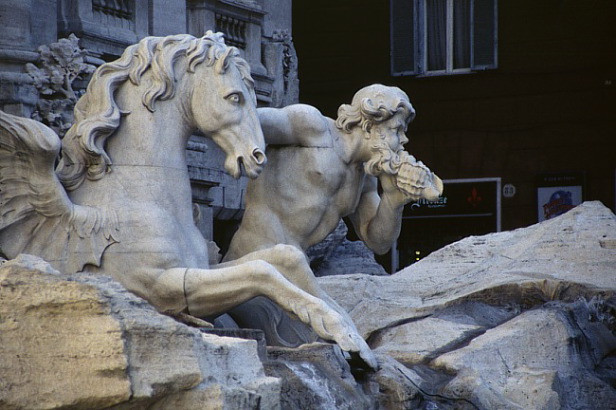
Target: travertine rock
(414, 342)
(350, 257)
(559, 259)
(396, 387)
(85, 342)
(515, 320)
(316, 376)
(521, 319)
(538, 360)
(59, 343)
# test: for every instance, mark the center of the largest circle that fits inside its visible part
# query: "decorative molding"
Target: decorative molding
(234, 30)
(116, 8)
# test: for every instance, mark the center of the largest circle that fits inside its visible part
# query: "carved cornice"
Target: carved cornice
(18, 56)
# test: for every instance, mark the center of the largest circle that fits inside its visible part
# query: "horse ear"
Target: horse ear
(217, 37)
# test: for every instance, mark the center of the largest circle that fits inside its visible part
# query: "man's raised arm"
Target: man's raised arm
(299, 124)
(377, 219)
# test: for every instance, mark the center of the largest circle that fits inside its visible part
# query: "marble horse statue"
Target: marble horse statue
(118, 201)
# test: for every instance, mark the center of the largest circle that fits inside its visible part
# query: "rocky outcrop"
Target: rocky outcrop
(348, 258)
(336, 255)
(84, 342)
(316, 376)
(523, 319)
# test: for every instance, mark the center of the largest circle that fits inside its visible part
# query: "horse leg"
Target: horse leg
(288, 260)
(214, 291)
(292, 263)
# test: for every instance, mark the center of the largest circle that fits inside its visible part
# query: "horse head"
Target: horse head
(223, 107)
(209, 78)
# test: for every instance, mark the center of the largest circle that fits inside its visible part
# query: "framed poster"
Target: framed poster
(558, 193)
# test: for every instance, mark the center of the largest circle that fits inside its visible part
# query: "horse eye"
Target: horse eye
(234, 98)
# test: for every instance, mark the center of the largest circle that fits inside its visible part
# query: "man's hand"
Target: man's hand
(397, 197)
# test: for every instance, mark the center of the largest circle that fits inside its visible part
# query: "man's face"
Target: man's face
(386, 140)
(392, 132)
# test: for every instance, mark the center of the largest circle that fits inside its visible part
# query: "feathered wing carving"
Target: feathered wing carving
(36, 214)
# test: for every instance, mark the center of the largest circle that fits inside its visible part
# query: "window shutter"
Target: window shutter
(484, 35)
(402, 37)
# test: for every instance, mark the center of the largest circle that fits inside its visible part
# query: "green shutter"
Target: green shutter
(402, 37)
(484, 35)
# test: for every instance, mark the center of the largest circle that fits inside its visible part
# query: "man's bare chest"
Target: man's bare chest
(315, 173)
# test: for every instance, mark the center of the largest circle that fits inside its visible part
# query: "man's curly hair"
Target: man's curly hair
(371, 105)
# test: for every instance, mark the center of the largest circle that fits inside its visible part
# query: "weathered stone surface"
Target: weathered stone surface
(560, 259)
(318, 253)
(316, 376)
(59, 343)
(396, 387)
(84, 341)
(414, 342)
(530, 362)
(423, 339)
(520, 319)
(350, 257)
(535, 329)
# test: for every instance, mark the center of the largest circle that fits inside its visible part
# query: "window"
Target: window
(439, 37)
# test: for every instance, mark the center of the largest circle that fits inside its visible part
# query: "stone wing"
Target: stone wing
(36, 214)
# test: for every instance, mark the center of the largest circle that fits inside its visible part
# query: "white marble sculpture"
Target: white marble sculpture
(119, 201)
(321, 170)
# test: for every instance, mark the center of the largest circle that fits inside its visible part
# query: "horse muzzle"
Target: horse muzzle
(259, 157)
(252, 164)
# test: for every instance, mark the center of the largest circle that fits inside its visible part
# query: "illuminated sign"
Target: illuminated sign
(461, 198)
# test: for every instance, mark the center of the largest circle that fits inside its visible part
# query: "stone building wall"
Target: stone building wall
(260, 29)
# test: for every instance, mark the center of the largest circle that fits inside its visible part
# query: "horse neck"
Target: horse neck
(151, 138)
(147, 150)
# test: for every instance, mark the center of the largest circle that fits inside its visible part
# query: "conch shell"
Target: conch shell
(416, 180)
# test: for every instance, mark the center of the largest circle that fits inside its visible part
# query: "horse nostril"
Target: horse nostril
(259, 156)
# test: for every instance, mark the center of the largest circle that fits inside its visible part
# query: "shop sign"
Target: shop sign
(471, 197)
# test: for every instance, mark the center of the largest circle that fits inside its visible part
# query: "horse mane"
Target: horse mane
(97, 114)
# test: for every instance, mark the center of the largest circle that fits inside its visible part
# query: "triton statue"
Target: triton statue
(320, 170)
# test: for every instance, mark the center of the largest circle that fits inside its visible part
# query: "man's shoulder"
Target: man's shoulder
(306, 117)
(314, 128)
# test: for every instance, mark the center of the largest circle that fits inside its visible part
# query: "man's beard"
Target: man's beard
(384, 160)
(412, 176)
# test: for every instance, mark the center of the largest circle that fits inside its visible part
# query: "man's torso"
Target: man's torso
(302, 194)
